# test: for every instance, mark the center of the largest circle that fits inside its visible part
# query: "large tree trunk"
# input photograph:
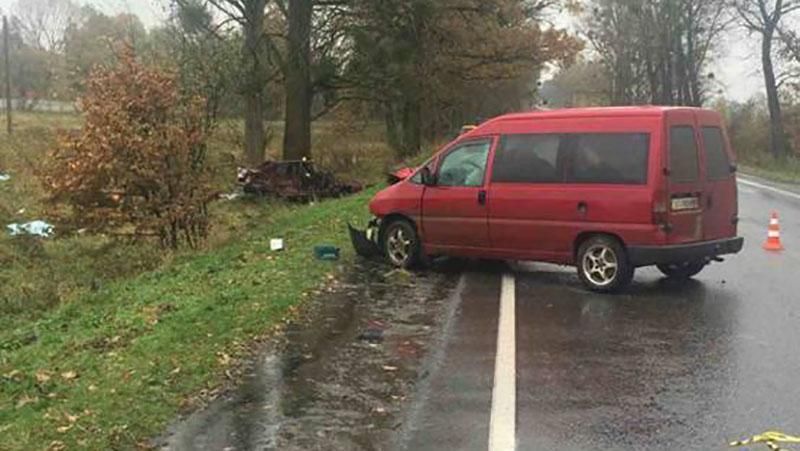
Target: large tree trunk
(392, 130)
(412, 127)
(297, 132)
(254, 136)
(777, 136)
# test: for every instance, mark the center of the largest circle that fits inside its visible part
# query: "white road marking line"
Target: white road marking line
(503, 422)
(769, 188)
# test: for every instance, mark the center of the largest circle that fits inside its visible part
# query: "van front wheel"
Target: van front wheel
(603, 265)
(401, 244)
(682, 271)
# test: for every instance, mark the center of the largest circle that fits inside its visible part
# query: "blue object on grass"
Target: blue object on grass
(326, 252)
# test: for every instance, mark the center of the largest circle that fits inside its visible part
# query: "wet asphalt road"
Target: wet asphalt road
(664, 366)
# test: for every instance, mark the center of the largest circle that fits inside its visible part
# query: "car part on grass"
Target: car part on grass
(229, 196)
(35, 228)
(326, 252)
(297, 181)
(365, 242)
(276, 244)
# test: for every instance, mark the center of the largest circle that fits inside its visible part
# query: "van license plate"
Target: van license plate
(685, 203)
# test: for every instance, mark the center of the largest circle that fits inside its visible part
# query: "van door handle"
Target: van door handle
(482, 197)
(583, 208)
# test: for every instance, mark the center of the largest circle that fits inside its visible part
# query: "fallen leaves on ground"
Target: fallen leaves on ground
(69, 375)
(43, 376)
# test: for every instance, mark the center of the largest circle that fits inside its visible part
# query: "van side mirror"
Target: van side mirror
(427, 176)
(734, 168)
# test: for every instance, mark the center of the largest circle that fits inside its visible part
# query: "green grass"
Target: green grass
(787, 171)
(123, 335)
(114, 366)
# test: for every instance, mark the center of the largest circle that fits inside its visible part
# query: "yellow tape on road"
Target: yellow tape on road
(770, 438)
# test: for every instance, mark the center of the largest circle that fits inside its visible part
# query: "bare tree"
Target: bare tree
(45, 22)
(790, 51)
(656, 51)
(250, 15)
(765, 17)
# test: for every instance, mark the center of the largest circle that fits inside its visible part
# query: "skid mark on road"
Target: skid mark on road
(502, 426)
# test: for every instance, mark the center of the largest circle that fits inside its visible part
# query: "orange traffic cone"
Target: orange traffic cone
(773, 242)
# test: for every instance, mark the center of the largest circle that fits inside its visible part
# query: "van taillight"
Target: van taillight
(660, 210)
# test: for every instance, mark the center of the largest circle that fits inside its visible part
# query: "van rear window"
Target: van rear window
(683, 163)
(527, 159)
(718, 166)
(613, 158)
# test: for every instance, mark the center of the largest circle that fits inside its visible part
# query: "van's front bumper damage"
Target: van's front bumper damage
(681, 253)
(365, 242)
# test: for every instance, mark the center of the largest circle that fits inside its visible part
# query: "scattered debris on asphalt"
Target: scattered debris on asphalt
(35, 228)
(297, 181)
(373, 332)
(371, 335)
(326, 252)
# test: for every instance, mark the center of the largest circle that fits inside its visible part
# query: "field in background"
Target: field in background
(36, 275)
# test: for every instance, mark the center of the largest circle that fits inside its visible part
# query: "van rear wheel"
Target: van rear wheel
(682, 271)
(603, 264)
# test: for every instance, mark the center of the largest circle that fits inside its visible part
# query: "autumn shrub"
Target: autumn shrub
(137, 165)
(748, 128)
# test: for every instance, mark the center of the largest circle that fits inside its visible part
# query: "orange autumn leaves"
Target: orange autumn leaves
(136, 167)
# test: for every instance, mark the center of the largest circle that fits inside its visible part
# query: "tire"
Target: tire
(603, 264)
(682, 271)
(400, 244)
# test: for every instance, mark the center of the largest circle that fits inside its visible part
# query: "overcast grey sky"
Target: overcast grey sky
(150, 11)
(737, 70)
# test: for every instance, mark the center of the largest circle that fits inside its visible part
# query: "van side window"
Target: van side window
(683, 162)
(527, 159)
(718, 166)
(613, 158)
(465, 165)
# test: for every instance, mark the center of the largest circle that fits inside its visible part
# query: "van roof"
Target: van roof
(590, 112)
(613, 111)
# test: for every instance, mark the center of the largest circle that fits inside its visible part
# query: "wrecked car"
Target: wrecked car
(294, 180)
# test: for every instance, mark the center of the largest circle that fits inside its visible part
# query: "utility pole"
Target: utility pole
(6, 51)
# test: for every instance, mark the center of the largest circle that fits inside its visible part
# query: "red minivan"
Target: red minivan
(604, 189)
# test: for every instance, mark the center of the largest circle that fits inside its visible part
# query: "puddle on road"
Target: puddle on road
(341, 374)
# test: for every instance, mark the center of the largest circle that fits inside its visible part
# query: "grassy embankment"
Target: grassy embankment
(787, 171)
(103, 342)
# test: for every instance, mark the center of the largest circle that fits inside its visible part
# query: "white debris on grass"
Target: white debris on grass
(36, 228)
(276, 244)
(4, 177)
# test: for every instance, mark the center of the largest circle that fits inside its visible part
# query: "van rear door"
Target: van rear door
(684, 178)
(720, 207)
